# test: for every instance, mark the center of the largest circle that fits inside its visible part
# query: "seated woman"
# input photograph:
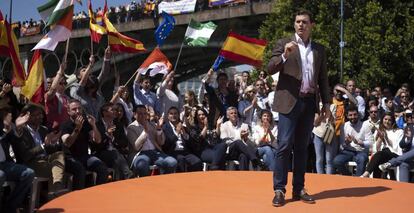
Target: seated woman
(405, 162)
(387, 139)
(265, 135)
(205, 142)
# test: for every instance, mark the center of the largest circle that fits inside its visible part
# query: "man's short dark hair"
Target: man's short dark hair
(247, 72)
(73, 101)
(31, 108)
(139, 106)
(304, 12)
(352, 108)
(222, 74)
(173, 108)
(104, 108)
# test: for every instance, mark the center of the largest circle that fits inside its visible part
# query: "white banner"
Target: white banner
(178, 7)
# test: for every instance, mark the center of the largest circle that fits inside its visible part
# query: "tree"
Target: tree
(378, 34)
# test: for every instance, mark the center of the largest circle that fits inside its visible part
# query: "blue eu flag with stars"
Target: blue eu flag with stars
(165, 28)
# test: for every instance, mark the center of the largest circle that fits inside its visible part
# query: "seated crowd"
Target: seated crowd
(77, 131)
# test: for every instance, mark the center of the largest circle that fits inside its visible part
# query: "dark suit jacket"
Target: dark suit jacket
(170, 139)
(120, 140)
(290, 77)
(407, 146)
(5, 141)
(27, 150)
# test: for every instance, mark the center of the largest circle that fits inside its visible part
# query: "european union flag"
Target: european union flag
(217, 62)
(165, 28)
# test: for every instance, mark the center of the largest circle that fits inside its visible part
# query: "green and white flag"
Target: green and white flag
(198, 34)
(54, 10)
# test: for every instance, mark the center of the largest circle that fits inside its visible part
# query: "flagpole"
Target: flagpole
(91, 45)
(179, 54)
(10, 12)
(66, 50)
(131, 78)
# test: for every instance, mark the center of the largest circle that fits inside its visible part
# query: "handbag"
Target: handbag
(326, 131)
(329, 133)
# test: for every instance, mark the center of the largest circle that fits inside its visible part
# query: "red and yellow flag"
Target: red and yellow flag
(96, 30)
(35, 86)
(9, 47)
(119, 42)
(243, 49)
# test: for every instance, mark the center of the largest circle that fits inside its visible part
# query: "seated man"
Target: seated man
(235, 134)
(40, 149)
(176, 143)
(21, 175)
(76, 137)
(114, 143)
(146, 140)
(355, 140)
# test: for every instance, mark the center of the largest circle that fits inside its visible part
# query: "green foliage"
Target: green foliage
(378, 35)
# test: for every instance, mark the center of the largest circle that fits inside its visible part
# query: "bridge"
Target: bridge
(243, 19)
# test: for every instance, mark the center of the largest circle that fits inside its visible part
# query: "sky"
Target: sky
(25, 9)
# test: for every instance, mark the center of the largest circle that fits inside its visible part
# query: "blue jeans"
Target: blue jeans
(361, 159)
(405, 162)
(268, 155)
(324, 152)
(22, 176)
(142, 162)
(294, 130)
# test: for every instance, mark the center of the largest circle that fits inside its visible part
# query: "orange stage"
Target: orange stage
(234, 191)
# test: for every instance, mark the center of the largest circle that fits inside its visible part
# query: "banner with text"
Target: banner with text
(212, 3)
(178, 7)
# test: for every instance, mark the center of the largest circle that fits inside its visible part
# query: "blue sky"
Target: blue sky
(26, 9)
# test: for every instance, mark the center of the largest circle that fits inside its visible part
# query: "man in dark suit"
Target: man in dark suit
(21, 175)
(302, 80)
(176, 139)
(39, 149)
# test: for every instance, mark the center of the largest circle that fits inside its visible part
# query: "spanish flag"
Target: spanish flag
(119, 42)
(35, 86)
(243, 49)
(96, 30)
(9, 47)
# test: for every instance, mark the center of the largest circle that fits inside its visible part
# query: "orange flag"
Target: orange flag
(157, 62)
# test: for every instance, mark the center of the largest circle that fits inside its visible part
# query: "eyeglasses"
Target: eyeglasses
(404, 96)
(373, 112)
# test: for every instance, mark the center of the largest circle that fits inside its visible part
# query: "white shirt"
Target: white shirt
(360, 131)
(395, 136)
(272, 101)
(306, 57)
(230, 133)
(259, 133)
(179, 144)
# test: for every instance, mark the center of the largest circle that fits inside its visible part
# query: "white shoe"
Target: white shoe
(384, 167)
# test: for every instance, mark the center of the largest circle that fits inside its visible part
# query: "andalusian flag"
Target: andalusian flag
(9, 47)
(198, 34)
(243, 49)
(119, 42)
(54, 10)
(96, 30)
(59, 32)
(35, 86)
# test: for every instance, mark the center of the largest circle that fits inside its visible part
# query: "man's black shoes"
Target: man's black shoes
(303, 196)
(279, 199)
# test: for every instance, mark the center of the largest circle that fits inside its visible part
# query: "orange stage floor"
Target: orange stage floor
(234, 191)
